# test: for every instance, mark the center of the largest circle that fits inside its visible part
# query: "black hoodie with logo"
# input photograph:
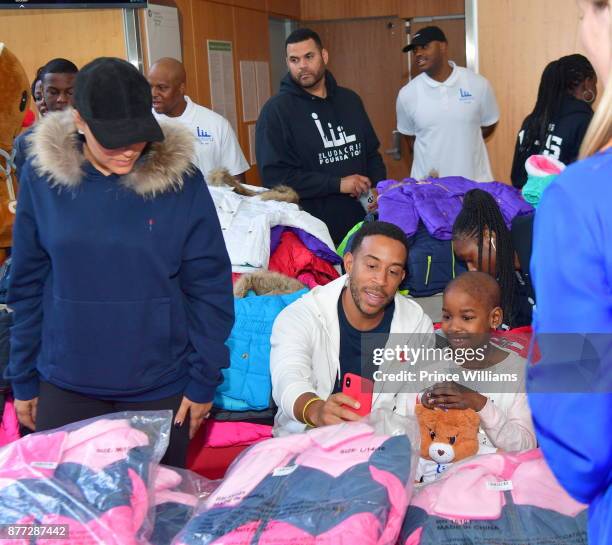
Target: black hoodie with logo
(563, 138)
(309, 143)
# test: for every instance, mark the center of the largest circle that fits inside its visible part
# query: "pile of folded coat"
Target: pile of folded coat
(335, 485)
(505, 498)
(437, 202)
(243, 409)
(99, 479)
(275, 235)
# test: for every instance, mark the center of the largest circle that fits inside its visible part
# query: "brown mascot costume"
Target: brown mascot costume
(14, 100)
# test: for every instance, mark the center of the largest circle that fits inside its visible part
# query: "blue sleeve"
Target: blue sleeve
(569, 266)
(279, 164)
(19, 146)
(206, 282)
(30, 268)
(570, 272)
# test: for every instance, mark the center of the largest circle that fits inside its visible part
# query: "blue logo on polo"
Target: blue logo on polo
(204, 135)
(465, 96)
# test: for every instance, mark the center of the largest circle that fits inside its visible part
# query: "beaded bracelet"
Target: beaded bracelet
(306, 405)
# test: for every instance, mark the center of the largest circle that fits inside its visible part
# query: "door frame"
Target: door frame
(471, 35)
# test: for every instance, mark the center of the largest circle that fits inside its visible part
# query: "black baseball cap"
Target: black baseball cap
(114, 99)
(424, 36)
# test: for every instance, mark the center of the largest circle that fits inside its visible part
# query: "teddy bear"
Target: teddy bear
(446, 437)
(14, 100)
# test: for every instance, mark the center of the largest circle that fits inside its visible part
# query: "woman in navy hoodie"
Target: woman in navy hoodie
(560, 117)
(120, 281)
(570, 389)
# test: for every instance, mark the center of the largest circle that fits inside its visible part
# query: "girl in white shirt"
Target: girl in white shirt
(470, 311)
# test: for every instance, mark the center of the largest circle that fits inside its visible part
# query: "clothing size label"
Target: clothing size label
(44, 465)
(282, 471)
(500, 486)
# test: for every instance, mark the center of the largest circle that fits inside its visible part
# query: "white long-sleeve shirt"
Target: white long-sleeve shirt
(505, 420)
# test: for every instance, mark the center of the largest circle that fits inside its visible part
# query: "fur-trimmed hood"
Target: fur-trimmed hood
(220, 177)
(57, 155)
(266, 283)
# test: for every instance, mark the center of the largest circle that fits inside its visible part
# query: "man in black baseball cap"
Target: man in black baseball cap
(114, 100)
(445, 112)
(430, 50)
(424, 36)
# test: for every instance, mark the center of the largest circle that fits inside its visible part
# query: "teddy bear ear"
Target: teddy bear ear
(471, 418)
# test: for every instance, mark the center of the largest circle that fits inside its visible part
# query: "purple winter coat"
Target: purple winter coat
(437, 202)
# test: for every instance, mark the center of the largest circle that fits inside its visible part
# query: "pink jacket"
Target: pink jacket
(228, 434)
(517, 491)
(9, 427)
(93, 479)
(333, 485)
(175, 496)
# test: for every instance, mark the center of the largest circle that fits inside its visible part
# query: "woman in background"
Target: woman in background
(561, 115)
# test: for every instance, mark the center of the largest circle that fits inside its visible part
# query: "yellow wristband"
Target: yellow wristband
(306, 405)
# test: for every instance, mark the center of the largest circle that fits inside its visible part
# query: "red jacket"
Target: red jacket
(293, 259)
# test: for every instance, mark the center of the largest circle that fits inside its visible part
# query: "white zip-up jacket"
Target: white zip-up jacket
(305, 354)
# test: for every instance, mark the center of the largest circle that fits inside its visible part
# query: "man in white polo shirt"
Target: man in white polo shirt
(446, 112)
(217, 145)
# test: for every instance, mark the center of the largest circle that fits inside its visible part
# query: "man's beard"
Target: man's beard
(357, 300)
(310, 85)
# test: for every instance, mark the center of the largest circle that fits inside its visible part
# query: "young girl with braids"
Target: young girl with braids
(561, 115)
(482, 240)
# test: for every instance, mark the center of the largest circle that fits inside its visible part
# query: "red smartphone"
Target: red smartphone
(360, 389)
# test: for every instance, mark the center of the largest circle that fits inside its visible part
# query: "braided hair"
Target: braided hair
(38, 77)
(560, 78)
(480, 212)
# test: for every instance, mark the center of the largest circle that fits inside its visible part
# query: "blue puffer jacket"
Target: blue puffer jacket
(246, 385)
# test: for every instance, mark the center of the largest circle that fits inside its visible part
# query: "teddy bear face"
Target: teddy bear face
(442, 453)
(448, 436)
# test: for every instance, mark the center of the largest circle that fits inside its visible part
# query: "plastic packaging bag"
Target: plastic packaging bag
(176, 496)
(505, 498)
(86, 483)
(344, 484)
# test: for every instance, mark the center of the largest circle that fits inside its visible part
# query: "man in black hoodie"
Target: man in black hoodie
(317, 138)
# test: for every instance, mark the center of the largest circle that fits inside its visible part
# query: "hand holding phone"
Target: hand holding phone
(361, 390)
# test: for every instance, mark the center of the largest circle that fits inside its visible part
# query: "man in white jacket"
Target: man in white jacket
(317, 340)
